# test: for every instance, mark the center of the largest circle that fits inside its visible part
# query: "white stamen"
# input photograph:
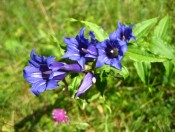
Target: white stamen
(112, 51)
(84, 50)
(94, 80)
(47, 72)
(123, 37)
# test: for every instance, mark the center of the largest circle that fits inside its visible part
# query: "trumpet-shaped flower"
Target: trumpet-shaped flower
(110, 52)
(123, 33)
(80, 49)
(44, 74)
(87, 82)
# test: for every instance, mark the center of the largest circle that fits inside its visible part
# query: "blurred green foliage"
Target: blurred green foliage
(126, 105)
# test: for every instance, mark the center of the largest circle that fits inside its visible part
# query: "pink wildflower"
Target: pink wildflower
(59, 115)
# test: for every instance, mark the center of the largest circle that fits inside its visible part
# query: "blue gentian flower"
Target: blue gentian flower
(80, 49)
(111, 51)
(87, 82)
(44, 74)
(123, 32)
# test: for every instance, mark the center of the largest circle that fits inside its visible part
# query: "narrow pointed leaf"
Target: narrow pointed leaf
(99, 32)
(143, 70)
(162, 29)
(142, 29)
(158, 47)
(169, 67)
(143, 56)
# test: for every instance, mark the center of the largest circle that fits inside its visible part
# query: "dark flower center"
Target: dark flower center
(83, 50)
(112, 52)
(46, 74)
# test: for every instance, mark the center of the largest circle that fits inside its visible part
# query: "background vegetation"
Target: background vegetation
(127, 105)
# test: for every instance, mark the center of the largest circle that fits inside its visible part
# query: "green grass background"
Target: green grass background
(28, 24)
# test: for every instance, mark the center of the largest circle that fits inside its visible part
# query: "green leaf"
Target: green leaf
(159, 48)
(72, 19)
(101, 83)
(169, 66)
(107, 68)
(94, 97)
(13, 46)
(80, 126)
(137, 124)
(99, 32)
(108, 107)
(57, 43)
(75, 83)
(143, 70)
(162, 29)
(142, 29)
(142, 56)
(173, 61)
(124, 72)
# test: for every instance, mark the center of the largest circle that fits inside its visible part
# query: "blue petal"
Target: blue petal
(71, 41)
(72, 44)
(101, 44)
(59, 75)
(82, 32)
(56, 66)
(119, 25)
(128, 33)
(34, 78)
(90, 56)
(82, 61)
(120, 56)
(32, 54)
(38, 87)
(73, 48)
(72, 67)
(101, 52)
(123, 28)
(92, 35)
(30, 69)
(123, 46)
(133, 37)
(101, 60)
(92, 49)
(52, 84)
(71, 55)
(33, 63)
(122, 42)
(116, 63)
(86, 84)
(32, 74)
(50, 59)
(37, 58)
(114, 35)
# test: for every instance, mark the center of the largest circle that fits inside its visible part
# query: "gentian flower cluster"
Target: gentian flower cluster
(111, 50)
(45, 74)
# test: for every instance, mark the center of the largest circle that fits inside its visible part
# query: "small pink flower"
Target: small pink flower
(59, 115)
